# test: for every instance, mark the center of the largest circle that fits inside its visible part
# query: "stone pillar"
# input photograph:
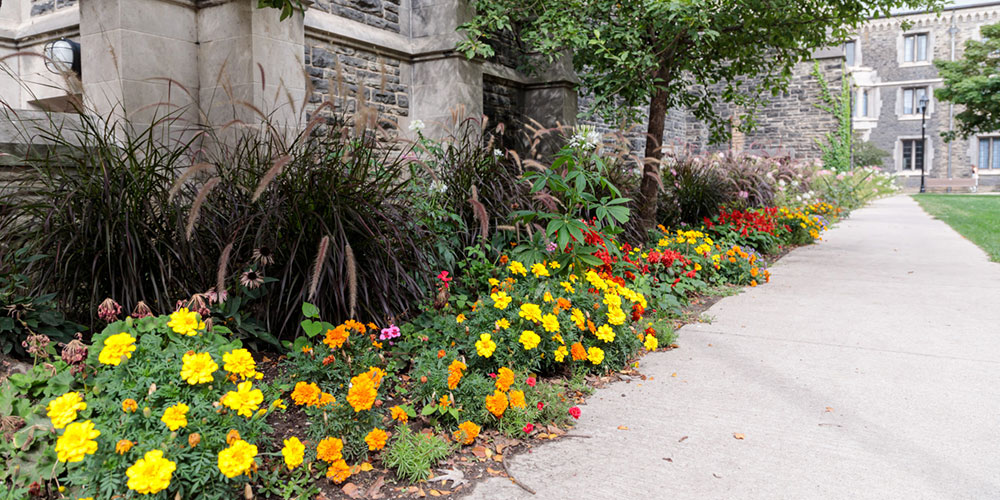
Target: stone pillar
(139, 58)
(443, 79)
(551, 100)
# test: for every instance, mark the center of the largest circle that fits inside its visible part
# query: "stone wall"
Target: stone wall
(42, 7)
(382, 14)
(503, 102)
(338, 73)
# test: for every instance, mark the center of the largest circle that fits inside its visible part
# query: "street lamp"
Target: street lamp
(62, 56)
(923, 139)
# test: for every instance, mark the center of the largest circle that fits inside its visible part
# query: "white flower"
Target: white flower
(781, 182)
(498, 153)
(438, 187)
(795, 183)
(585, 137)
(416, 125)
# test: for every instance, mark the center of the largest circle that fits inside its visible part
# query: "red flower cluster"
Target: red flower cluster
(757, 221)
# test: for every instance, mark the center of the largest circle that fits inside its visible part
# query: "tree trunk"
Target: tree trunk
(649, 189)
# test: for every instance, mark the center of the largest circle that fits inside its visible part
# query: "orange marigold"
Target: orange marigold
(517, 399)
(505, 377)
(306, 394)
(578, 351)
(466, 433)
(376, 374)
(338, 471)
(399, 414)
(376, 439)
(497, 403)
(455, 373)
(330, 449)
(355, 325)
(336, 337)
(362, 393)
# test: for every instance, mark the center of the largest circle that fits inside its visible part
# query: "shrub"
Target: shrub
(26, 313)
(413, 454)
(694, 189)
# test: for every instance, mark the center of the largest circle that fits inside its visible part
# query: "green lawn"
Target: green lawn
(977, 217)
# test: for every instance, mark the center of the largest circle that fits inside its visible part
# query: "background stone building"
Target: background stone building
(398, 57)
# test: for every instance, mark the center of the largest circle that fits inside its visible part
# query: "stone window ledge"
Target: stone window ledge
(907, 118)
(916, 64)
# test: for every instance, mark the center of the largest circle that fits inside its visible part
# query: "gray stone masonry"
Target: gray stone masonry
(382, 14)
(41, 7)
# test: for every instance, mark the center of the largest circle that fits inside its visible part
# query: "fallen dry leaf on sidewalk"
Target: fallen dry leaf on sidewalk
(623, 427)
(829, 409)
(738, 435)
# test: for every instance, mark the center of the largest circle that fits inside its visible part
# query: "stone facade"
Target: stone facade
(42, 7)
(382, 14)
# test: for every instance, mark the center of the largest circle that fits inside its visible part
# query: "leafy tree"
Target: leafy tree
(867, 154)
(693, 54)
(974, 83)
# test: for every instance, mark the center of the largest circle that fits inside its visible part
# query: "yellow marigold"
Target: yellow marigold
(175, 416)
(616, 315)
(326, 399)
(460, 318)
(596, 281)
(376, 439)
(547, 297)
(550, 323)
(151, 474)
(605, 333)
(362, 394)
(330, 449)
(237, 459)
(123, 445)
(501, 324)
(501, 300)
(293, 451)
(567, 286)
(530, 312)
(517, 268)
(539, 270)
(517, 399)
(338, 471)
(612, 299)
(115, 347)
(455, 373)
(578, 351)
(336, 337)
(185, 322)
(130, 406)
(529, 339)
(485, 345)
(466, 433)
(578, 318)
(651, 343)
(77, 441)
(399, 414)
(554, 265)
(505, 377)
(376, 374)
(561, 353)
(355, 325)
(444, 402)
(595, 355)
(497, 403)
(62, 410)
(198, 368)
(244, 400)
(493, 282)
(306, 393)
(240, 362)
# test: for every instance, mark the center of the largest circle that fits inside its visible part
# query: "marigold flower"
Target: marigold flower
(306, 394)
(338, 471)
(237, 459)
(399, 414)
(497, 403)
(501, 300)
(325, 399)
(336, 337)
(455, 373)
(501, 324)
(185, 322)
(232, 436)
(376, 374)
(485, 345)
(578, 351)
(616, 315)
(560, 353)
(330, 449)
(529, 339)
(539, 270)
(240, 362)
(123, 445)
(293, 451)
(530, 312)
(460, 318)
(175, 416)
(441, 353)
(567, 286)
(77, 441)
(505, 378)
(547, 297)
(595, 355)
(651, 343)
(517, 399)
(115, 347)
(517, 268)
(130, 406)
(193, 439)
(362, 394)
(151, 474)
(466, 433)
(376, 439)
(550, 323)
(578, 318)
(605, 333)
(198, 368)
(62, 410)
(245, 400)
(563, 304)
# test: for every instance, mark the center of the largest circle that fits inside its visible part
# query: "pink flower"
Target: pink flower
(528, 428)
(493, 375)
(541, 405)
(444, 278)
(389, 333)
(574, 412)
(531, 381)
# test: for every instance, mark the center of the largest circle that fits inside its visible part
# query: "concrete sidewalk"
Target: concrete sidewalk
(868, 368)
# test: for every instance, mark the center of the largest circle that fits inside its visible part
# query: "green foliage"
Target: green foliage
(412, 454)
(837, 149)
(24, 312)
(867, 154)
(972, 83)
(287, 7)
(694, 188)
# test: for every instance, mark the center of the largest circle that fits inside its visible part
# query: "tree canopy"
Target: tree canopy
(974, 83)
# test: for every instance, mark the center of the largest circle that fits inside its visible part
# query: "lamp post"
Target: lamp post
(923, 139)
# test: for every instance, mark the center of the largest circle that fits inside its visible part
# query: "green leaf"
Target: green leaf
(428, 409)
(309, 310)
(312, 328)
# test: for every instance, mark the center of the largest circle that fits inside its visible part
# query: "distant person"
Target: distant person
(975, 178)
